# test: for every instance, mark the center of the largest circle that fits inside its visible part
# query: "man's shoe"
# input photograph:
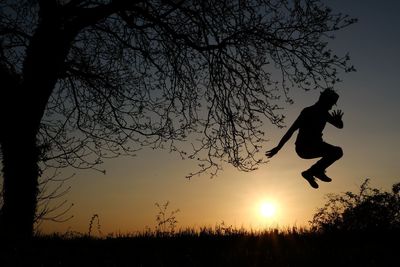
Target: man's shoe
(322, 176)
(310, 179)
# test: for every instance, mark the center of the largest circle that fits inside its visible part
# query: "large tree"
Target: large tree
(85, 80)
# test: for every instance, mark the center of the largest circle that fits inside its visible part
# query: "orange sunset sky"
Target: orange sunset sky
(125, 197)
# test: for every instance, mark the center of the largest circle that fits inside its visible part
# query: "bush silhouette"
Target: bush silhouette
(368, 210)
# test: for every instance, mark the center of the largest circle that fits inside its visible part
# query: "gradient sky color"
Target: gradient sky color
(124, 197)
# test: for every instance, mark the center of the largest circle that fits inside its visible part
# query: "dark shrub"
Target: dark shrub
(368, 210)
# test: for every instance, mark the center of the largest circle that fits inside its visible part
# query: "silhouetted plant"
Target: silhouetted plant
(166, 221)
(368, 210)
(95, 219)
(91, 80)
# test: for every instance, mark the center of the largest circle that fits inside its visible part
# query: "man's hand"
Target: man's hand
(336, 118)
(337, 114)
(272, 152)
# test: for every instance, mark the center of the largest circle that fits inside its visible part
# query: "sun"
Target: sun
(267, 209)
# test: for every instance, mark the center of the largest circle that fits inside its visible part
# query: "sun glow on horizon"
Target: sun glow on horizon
(267, 209)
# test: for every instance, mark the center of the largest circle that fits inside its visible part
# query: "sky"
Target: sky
(124, 198)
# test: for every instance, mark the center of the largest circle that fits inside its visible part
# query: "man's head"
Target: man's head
(328, 98)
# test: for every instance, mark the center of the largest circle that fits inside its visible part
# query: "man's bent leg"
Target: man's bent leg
(330, 154)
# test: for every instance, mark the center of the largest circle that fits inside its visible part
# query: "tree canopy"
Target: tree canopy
(150, 73)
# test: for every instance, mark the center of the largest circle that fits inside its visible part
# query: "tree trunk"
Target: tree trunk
(20, 187)
(43, 65)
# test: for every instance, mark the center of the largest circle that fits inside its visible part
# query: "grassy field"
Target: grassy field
(210, 247)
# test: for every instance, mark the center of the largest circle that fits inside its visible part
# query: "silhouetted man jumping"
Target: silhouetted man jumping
(309, 143)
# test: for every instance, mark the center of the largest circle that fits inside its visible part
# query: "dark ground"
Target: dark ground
(271, 248)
